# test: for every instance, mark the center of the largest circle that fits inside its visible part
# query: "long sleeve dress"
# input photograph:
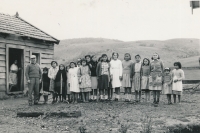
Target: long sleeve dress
(155, 82)
(177, 87)
(116, 72)
(74, 79)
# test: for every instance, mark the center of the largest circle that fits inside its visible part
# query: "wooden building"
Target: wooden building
(18, 41)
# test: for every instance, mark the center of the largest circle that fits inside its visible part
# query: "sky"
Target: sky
(126, 20)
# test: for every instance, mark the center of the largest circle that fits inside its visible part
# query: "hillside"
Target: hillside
(184, 50)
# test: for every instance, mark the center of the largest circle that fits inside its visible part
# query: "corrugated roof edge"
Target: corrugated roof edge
(57, 41)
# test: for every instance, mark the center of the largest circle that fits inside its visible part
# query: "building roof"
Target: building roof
(18, 26)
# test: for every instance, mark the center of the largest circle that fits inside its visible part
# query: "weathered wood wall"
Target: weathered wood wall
(46, 50)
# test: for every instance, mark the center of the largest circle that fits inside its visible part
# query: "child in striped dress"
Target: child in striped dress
(136, 77)
(167, 84)
(126, 81)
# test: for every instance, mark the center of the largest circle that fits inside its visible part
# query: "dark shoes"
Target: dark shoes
(116, 99)
(35, 103)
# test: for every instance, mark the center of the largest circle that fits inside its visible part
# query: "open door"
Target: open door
(15, 79)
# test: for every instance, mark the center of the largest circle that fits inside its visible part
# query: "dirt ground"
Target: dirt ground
(101, 117)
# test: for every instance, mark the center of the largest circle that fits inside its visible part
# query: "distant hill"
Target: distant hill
(185, 50)
(87, 40)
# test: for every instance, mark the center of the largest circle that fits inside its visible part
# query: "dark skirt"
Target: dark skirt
(58, 88)
(103, 82)
(46, 86)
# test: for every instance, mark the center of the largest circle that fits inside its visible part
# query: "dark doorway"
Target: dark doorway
(16, 54)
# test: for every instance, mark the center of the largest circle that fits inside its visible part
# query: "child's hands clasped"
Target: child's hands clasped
(120, 78)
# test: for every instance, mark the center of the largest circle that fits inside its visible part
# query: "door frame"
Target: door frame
(7, 67)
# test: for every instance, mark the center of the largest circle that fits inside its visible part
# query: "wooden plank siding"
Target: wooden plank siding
(2, 45)
(2, 51)
(47, 56)
(2, 63)
(2, 69)
(43, 65)
(40, 50)
(2, 75)
(2, 57)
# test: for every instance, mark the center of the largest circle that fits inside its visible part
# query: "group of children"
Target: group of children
(94, 79)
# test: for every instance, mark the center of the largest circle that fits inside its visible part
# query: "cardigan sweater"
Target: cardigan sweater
(133, 70)
(99, 70)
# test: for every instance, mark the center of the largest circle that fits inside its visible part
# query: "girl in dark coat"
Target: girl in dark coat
(45, 84)
(60, 82)
(94, 77)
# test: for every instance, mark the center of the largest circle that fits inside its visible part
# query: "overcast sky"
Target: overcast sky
(126, 20)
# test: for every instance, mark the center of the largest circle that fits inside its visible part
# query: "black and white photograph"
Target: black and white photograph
(99, 66)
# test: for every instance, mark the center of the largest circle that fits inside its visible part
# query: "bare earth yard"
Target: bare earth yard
(106, 117)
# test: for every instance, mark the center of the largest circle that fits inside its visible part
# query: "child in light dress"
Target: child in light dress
(85, 81)
(126, 81)
(74, 81)
(167, 84)
(177, 85)
(116, 74)
(145, 78)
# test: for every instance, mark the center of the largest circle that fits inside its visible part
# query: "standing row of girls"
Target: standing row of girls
(82, 79)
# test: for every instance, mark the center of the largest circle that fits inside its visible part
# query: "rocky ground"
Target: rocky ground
(106, 117)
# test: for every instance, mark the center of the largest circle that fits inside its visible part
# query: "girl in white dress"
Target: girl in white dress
(177, 86)
(74, 81)
(116, 74)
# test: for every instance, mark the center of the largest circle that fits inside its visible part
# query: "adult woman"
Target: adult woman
(13, 74)
(155, 83)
